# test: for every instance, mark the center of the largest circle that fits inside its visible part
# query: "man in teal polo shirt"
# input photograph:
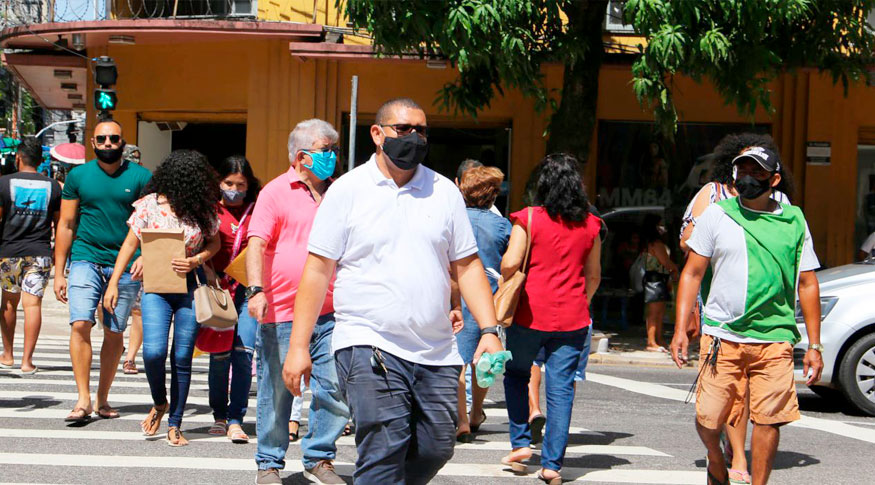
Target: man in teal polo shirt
(761, 256)
(99, 195)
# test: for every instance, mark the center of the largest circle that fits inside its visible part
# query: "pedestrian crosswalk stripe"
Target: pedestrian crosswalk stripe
(82, 434)
(114, 398)
(60, 414)
(9, 375)
(294, 466)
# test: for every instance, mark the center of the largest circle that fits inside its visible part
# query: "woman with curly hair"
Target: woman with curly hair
(721, 187)
(182, 194)
(563, 272)
(239, 190)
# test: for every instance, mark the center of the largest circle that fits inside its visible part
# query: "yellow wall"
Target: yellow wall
(260, 83)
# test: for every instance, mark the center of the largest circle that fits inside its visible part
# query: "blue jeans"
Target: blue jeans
(328, 411)
(238, 361)
(159, 309)
(405, 419)
(86, 285)
(562, 351)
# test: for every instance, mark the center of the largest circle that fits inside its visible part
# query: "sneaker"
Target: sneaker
(323, 473)
(271, 476)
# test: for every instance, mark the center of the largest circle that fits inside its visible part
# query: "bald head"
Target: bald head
(387, 111)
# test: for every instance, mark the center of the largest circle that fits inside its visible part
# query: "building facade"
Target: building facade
(235, 76)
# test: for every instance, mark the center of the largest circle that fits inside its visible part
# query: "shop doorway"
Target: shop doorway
(156, 139)
(448, 146)
(864, 223)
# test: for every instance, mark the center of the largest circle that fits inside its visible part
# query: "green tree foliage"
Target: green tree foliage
(740, 45)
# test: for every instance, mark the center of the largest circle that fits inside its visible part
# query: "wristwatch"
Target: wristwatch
(493, 330)
(252, 291)
(816, 347)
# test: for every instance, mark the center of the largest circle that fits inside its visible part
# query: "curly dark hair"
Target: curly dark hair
(239, 164)
(190, 185)
(733, 144)
(560, 188)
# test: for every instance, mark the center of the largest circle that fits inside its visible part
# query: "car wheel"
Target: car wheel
(857, 374)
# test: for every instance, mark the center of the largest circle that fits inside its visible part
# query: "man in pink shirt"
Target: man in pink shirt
(278, 234)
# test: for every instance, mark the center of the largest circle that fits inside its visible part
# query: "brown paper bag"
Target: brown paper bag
(237, 268)
(159, 247)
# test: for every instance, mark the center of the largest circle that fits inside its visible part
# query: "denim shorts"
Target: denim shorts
(85, 286)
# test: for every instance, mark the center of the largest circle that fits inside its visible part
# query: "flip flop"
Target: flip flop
(349, 429)
(536, 424)
(81, 416)
(180, 440)
(29, 372)
(465, 438)
(156, 419)
(106, 412)
(742, 477)
(549, 481)
(517, 467)
(7, 366)
(476, 427)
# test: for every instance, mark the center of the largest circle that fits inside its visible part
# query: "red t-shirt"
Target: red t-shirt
(554, 296)
(229, 224)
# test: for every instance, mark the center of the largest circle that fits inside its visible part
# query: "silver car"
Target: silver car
(847, 335)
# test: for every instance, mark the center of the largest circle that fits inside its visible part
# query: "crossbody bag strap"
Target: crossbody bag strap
(528, 241)
(238, 241)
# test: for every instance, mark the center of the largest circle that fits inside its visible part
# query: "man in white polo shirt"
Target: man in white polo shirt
(395, 231)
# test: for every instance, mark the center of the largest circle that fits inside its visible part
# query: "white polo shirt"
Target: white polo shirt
(394, 247)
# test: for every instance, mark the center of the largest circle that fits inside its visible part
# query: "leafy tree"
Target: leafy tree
(740, 45)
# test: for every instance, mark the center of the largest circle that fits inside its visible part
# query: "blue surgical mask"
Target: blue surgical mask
(233, 196)
(323, 165)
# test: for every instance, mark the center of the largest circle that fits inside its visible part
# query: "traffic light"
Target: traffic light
(105, 76)
(105, 99)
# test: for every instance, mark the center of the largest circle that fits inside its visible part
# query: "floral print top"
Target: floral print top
(148, 214)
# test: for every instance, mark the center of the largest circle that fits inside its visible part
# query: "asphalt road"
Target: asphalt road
(630, 425)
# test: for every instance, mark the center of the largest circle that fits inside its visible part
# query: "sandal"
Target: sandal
(557, 480)
(219, 428)
(739, 477)
(129, 367)
(106, 412)
(294, 435)
(536, 425)
(476, 427)
(175, 438)
(349, 429)
(78, 415)
(465, 438)
(515, 460)
(237, 435)
(152, 423)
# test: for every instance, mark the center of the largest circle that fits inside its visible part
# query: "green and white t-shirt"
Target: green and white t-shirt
(756, 258)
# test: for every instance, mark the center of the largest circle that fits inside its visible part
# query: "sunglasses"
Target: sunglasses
(112, 138)
(404, 129)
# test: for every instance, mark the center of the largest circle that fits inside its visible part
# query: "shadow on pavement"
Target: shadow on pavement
(784, 460)
(834, 403)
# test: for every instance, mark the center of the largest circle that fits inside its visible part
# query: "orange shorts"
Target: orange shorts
(765, 371)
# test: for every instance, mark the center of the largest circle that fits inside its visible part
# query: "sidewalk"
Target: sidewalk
(628, 349)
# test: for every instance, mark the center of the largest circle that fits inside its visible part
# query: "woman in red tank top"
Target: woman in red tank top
(563, 273)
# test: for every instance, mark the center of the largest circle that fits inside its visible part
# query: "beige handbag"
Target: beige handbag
(213, 305)
(507, 297)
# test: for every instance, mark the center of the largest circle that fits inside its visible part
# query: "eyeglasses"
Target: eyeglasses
(404, 129)
(112, 138)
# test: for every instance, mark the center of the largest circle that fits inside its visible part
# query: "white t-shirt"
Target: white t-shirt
(868, 244)
(719, 237)
(394, 247)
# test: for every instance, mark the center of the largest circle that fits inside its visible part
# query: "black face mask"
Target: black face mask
(751, 188)
(406, 152)
(109, 155)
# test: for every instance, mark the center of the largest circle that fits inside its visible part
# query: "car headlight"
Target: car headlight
(827, 303)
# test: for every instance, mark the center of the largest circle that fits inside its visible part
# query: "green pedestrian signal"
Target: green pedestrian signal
(105, 99)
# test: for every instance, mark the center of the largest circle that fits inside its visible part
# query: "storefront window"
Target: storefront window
(640, 172)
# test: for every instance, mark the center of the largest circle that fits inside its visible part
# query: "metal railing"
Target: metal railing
(28, 12)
